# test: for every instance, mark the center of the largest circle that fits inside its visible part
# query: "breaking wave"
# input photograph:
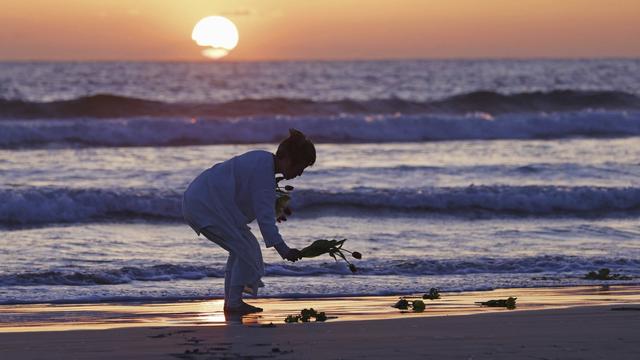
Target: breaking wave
(110, 106)
(331, 129)
(375, 267)
(37, 206)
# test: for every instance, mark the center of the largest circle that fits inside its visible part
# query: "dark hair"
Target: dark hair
(297, 148)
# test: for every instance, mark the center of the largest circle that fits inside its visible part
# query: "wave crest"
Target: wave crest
(112, 106)
(409, 267)
(32, 206)
(335, 129)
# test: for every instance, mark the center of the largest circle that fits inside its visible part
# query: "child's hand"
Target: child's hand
(293, 255)
(286, 253)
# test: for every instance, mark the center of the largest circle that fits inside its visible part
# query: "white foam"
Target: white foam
(313, 268)
(337, 129)
(49, 205)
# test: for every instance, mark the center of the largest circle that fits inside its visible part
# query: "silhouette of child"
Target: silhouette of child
(222, 200)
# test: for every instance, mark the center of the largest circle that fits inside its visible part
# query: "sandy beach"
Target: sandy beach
(581, 322)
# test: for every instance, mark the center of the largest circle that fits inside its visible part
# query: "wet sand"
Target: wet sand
(549, 323)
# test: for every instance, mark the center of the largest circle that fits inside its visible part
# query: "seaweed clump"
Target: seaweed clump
(433, 294)
(605, 274)
(415, 305)
(305, 316)
(509, 303)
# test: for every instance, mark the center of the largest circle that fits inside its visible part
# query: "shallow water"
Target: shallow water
(90, 205)
(105, 223)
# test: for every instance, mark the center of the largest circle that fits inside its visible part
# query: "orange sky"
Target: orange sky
(328, 29)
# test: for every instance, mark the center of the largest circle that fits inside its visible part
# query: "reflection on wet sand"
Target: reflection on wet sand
(52, 317)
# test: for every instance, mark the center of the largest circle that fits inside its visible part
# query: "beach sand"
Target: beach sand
(549, 323)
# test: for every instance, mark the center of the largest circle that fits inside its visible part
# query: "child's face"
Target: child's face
(292, 170)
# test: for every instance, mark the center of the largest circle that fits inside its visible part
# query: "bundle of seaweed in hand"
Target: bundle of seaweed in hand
(331, 247)
(283, 197)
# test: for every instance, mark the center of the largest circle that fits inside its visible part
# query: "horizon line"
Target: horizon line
(205, 61)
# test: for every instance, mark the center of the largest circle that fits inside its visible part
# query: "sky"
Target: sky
(323, 30)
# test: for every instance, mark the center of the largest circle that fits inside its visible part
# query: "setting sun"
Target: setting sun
(218, 33)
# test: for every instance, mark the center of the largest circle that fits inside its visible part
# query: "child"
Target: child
(222, 200)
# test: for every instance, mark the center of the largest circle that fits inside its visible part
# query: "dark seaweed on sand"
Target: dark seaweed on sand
(305, 316)
(509, 303)
(605, 274)
(415, 305)
(433, 294)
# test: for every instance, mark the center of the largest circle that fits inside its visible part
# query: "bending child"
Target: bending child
(222, 200)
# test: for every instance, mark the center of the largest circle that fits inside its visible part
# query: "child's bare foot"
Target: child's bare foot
(244, 308)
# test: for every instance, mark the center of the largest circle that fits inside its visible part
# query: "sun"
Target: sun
(218, 34)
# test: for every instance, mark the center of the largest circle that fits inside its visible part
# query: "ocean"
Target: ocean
(458, 174)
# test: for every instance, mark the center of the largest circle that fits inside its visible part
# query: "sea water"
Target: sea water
(460, 175)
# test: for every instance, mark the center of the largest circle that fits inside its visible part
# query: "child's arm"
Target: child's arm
(264, 199)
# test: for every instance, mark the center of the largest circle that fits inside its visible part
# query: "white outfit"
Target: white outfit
(224, 199)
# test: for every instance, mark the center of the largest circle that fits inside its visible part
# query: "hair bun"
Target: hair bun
(297, 135)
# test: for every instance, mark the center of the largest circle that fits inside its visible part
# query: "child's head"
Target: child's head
(296, 153)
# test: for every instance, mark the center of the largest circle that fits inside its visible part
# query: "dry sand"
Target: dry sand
(556, 323)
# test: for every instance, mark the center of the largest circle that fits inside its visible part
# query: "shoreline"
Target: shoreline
(207, 313)
(583, 332)
(124, 300)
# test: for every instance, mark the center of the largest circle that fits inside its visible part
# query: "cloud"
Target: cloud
(270, 13)
(215, 53)
(237, 12)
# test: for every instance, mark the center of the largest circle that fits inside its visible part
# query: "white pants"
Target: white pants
(232, 292)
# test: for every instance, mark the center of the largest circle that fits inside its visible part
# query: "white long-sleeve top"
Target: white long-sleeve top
(232, 194)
